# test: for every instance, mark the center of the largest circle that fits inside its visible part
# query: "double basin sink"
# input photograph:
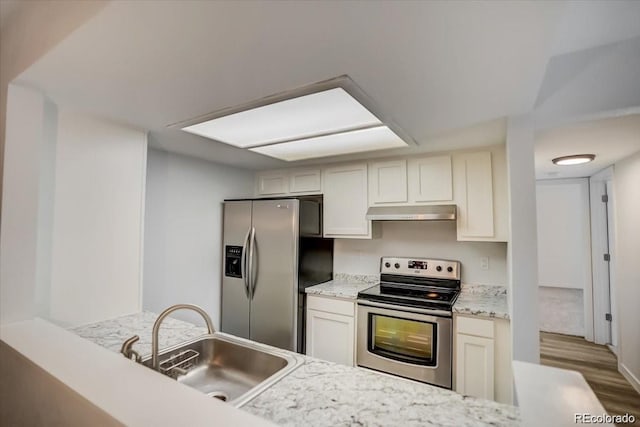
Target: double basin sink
(225, 367)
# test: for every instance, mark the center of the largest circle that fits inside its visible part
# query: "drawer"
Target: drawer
(477, 327)
(331, 305)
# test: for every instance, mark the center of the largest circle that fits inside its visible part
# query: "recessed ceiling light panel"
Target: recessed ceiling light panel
(575, 159)
(371, 139)
(319, 113)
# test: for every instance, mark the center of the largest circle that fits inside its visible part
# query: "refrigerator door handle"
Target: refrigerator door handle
(244, 266)
(252, 245)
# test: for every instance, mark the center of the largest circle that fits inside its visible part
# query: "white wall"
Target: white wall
(183, 230)
(22, 202)
(33, 29)
(429, 239)
(564, 255)
(627, 264)
(98, 213)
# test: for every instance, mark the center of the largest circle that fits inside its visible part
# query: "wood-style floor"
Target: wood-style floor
(599, 367)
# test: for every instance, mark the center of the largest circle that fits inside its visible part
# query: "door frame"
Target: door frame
(603, 271)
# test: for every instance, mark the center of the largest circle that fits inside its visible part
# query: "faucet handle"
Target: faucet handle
(128, 351)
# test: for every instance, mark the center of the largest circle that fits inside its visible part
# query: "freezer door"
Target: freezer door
(274, 304)
(235, 293)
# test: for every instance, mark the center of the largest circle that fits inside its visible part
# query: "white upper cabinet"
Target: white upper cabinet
(305, 181)
(345, 201)
(474, 190)
(430, 179)
(474, 181)
(480, 191)
(272, 183)
(387, 182)
(288, 182)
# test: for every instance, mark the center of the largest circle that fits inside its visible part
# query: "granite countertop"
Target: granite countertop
(344, 286)
(482, 301)
(476, 300)
(321, 393)
(110, 334)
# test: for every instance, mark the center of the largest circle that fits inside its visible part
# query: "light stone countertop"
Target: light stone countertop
(344, 285)
(110, 334)
(321, 393)
(482, 301)
(475, 300)
(333, 288)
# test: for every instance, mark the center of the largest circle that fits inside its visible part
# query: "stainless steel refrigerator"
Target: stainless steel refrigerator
(273, 249)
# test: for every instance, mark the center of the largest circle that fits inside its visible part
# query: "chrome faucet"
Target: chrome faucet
(168, 311)
(128, 351)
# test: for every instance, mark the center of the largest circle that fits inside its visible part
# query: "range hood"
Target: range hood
(412, 213)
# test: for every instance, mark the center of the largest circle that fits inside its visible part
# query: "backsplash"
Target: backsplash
(425, 239)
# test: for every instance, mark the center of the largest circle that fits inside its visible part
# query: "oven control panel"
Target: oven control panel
(420, 267)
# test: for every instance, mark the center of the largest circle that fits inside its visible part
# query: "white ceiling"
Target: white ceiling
(587, 24)
(446, 72)
(580, 85)
(430, 66)
(609, 139)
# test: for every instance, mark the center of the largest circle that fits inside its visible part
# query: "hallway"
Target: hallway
(598, 365)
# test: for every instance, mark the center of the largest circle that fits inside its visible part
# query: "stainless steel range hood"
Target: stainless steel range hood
(412, 213)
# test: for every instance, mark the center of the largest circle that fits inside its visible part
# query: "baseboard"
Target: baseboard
(633, 380)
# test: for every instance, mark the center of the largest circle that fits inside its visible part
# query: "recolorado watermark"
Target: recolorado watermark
(586, 418)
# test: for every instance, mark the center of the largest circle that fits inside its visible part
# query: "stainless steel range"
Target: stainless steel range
(404, 323)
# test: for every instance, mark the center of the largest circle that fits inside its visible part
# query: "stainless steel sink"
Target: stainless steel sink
(225, 367)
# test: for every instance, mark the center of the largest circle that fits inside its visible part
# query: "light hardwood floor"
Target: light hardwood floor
(599, 367)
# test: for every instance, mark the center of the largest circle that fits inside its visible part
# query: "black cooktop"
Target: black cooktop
(425, 295)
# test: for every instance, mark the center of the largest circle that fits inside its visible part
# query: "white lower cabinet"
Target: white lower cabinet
(483, 358)
(331, 329)
(475, 366)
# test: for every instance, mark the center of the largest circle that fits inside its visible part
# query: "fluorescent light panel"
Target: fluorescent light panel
(329, 111)
(371, 139)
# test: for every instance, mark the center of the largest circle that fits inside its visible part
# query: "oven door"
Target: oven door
(408, 342)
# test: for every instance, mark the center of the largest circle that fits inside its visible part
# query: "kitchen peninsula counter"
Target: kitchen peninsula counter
(321, 393)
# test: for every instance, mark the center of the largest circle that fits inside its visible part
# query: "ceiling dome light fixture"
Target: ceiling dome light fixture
(576, 159)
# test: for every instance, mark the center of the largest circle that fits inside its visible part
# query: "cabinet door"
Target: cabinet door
(388, 182)
(331, 337)
(474, 366)
(345, 202)
(474, 195)
(430, 179)
(305, 181)
(273, 183)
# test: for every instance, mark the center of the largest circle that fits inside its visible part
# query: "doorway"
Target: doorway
(602, 206)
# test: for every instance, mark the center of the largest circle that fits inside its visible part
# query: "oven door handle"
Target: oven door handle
(427, 311)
